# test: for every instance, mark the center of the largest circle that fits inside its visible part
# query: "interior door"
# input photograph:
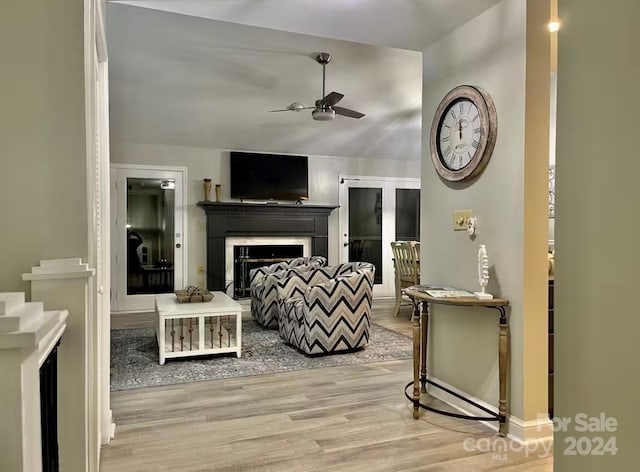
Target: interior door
(149, 236)
(375, 212)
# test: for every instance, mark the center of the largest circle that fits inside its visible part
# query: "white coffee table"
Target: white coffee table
(197, 329)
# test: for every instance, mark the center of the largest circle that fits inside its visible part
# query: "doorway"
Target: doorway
(148, 234)
(375, 211)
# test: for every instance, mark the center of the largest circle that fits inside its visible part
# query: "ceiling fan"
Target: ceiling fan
(325, 108)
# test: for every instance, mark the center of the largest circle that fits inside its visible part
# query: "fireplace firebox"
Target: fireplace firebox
(246, 258)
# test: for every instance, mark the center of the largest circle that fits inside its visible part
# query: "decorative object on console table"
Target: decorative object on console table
(218, 192)
(207, 189)
(483, 273)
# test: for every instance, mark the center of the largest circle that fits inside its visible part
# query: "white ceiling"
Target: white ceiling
(187, 80)
(406, 24)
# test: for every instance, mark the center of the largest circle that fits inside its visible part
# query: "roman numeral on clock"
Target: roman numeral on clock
(447, 151)
(476, 130)
(445, 139)
(475, 143)
(453, 114)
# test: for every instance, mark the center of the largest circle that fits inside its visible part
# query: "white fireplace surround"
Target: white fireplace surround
(231, 242)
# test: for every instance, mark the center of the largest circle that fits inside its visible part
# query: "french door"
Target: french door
(375, 211)
(148, 225)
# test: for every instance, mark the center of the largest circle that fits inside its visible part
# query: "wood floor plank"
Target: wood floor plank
(346, 418)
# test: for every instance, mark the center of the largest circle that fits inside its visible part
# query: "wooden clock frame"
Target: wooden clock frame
(489, 131)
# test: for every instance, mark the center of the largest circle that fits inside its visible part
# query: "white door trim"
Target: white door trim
(388, 185)
(97, 139)
(119, 249)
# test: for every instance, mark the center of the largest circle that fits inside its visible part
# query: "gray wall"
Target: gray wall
(43, 196)
(214, 164)
(489, 51)
(597, 227)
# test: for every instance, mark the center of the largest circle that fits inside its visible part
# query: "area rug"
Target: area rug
(134, 357)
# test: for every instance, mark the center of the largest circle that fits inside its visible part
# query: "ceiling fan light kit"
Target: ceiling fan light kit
(325, 109)
(323, 115)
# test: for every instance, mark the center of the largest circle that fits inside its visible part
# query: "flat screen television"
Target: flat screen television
(269, 176)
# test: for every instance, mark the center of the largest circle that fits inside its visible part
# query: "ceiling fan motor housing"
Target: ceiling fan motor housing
(326, 114)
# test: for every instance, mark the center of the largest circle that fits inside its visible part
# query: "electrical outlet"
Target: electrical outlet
(460, 218)
(201, 227)
(200, 269)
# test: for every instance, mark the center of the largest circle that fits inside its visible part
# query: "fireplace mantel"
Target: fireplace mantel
(225, 219)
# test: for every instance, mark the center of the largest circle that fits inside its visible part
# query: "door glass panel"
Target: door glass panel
(150, 241)
(407, 214)
(365, 227)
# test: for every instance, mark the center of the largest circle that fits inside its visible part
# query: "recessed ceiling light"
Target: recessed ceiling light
(554, 26)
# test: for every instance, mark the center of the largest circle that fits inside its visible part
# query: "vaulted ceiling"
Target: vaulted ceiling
(205, 74)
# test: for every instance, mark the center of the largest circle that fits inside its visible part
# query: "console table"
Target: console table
(420, 330)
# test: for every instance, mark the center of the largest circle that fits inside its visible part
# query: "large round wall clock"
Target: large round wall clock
(463, 133)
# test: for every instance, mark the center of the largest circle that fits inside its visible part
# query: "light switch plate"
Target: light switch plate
(460, 218)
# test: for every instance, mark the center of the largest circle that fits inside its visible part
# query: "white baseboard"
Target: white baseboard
(132, 312)
(110, 427)
(538, 430)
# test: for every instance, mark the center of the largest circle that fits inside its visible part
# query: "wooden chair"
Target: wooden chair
(406, 264)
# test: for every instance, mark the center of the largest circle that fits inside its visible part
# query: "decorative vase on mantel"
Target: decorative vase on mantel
(218, 192)
(207, 189)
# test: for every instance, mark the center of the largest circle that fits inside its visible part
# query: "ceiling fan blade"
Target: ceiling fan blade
(347, 112)
(332, 98)
(284, 109)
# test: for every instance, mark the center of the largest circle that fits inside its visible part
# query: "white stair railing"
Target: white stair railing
(28, 334)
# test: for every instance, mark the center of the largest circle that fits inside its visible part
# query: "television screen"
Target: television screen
(269, 176)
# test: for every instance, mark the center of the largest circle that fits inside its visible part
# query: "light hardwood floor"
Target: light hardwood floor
(347, 418)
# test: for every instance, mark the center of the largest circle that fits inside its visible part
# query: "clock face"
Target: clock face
(463, 133)
(459, 134)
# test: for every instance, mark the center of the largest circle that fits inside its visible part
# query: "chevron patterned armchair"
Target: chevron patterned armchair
(329, 316)
(264, 290)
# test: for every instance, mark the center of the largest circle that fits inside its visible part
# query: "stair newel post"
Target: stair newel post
(63, 284)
